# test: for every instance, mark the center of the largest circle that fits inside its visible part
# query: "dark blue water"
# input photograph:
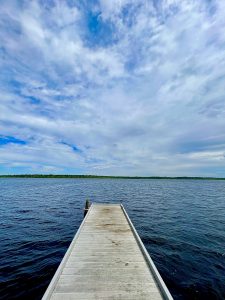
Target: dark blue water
(181, 222)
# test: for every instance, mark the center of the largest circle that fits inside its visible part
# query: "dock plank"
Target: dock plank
(105, 261)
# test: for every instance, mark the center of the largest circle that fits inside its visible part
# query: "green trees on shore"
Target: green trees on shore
(103, 177)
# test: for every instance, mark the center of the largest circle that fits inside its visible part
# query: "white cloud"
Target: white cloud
(150, 102)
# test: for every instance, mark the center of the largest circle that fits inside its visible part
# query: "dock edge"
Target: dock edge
(58, 272)
(161, 284)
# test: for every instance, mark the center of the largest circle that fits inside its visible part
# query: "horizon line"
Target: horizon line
(37, 175)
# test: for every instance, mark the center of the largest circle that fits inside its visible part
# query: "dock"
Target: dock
(107, 261)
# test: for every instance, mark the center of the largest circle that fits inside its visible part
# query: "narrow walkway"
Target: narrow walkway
(106, 260)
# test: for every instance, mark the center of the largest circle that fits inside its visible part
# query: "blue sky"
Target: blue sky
(118, 87)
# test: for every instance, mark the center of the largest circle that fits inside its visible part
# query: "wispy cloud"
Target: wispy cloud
(113, 87)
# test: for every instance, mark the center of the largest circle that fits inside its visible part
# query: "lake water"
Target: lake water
(181, 222)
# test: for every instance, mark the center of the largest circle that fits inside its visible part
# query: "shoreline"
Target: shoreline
(107, 177)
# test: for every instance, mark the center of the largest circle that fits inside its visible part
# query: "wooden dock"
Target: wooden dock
(107, 260)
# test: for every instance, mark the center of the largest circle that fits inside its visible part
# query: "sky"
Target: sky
(123, 87)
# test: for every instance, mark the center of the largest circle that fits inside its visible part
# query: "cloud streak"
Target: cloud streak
(137, 87)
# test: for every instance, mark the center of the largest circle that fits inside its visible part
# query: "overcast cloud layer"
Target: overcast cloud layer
(123, 87)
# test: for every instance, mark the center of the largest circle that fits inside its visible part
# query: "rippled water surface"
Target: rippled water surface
(181, 222)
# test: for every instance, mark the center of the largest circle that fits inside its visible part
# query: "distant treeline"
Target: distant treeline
(105, 177)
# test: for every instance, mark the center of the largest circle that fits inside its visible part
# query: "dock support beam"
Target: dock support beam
(86, 208)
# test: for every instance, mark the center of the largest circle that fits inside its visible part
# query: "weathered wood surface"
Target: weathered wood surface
(105, 261)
